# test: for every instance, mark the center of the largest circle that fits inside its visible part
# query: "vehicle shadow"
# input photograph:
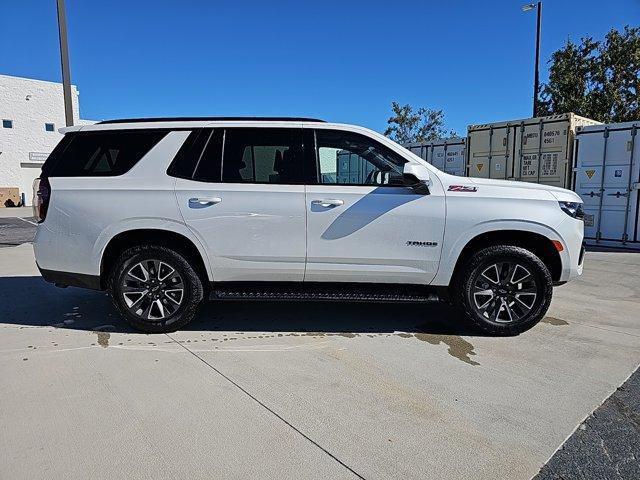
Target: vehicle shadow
(31, 302)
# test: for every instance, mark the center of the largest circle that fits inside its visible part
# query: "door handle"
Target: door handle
(203, 201)
(331, 202)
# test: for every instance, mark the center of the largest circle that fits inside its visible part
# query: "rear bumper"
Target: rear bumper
(69, 279)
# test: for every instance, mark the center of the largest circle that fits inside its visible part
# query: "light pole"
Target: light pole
(536, 81)
(64, 57)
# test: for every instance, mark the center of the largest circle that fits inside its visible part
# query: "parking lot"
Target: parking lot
(302, 390)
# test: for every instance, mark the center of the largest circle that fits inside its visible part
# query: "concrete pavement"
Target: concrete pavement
(302, 390)
(10, 212)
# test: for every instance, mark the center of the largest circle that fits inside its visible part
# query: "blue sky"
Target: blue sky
(337, 60)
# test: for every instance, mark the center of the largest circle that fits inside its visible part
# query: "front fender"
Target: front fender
(451, 254)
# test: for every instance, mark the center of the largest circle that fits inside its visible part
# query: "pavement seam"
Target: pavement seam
(28, 221)
(584, 324)
(270, 410)
(584, 420)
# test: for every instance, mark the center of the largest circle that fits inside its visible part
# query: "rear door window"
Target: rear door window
(202, 152)
(263, 155)
(209, 165)
(101, 154)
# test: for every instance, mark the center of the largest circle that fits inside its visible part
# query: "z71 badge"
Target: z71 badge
(462, 188)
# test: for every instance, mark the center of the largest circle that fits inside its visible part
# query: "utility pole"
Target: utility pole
(64, 57)
(536, 80)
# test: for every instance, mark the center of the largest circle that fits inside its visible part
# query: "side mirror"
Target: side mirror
(417, 177)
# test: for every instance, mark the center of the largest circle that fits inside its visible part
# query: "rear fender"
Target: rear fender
(146, 224)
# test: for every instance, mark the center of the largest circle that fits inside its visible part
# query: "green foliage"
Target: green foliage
(407, 125)
(599, 80)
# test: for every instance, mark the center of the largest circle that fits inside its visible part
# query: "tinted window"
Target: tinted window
(262, 155)
(49, 127)
(184, 163)
(351, 158)
(208, 167)
(102, 153)
(56, 154)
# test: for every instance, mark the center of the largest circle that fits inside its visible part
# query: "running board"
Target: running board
(326, 293)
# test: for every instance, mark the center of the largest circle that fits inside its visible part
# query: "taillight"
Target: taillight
(41, 195)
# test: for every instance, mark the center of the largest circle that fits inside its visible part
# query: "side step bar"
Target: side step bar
(322, 292)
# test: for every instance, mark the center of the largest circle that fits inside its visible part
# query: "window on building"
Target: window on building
(49, 127)
(7, 123)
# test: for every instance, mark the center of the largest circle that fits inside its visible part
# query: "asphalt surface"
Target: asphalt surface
(311, 390)
(607, 444)
(16, 230)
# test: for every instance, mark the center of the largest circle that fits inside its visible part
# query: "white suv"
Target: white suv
(165, 212)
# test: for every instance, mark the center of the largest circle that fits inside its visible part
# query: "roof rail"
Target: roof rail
(201, 119)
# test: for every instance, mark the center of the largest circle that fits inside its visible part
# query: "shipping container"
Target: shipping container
(607, 177)
(446, 154)
(352, 168)
(535, 150)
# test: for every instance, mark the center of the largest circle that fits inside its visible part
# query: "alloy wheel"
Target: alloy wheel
(152, 290)
(504, 292)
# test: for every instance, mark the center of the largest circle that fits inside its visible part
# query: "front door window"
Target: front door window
(347, 158)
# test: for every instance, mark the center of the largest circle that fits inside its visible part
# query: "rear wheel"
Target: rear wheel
(155, 289)
(504, 290)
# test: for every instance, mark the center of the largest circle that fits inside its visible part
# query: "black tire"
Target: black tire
(506, 300)
(178, 308)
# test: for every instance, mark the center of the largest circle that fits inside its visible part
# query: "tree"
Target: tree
(408, 125)
(600, 80)
(570, 79)
(618, 77)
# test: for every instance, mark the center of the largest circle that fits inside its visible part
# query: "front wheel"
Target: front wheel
(504, 290)
(155, 289)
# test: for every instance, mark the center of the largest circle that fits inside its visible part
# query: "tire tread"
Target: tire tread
(192, 281)
(462, 285)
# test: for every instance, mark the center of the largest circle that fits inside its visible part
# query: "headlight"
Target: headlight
(573, 209)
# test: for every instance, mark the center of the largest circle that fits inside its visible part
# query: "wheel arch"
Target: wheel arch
(537, 243)
(151, 236)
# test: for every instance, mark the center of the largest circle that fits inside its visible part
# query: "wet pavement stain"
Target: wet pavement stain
(554, 321)
(458, 346)
(324, 334)
(347, 335)
(103, 339)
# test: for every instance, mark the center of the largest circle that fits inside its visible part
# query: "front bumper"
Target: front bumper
(571, 232)
(582, 252)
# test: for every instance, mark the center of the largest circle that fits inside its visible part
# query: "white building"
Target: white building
(31, 112)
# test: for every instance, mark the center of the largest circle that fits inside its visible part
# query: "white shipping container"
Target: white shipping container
(607, 177)
(352, 169)
(446, 154)
(535, 150)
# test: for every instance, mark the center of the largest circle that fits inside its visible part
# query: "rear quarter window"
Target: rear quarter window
(100, 154)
